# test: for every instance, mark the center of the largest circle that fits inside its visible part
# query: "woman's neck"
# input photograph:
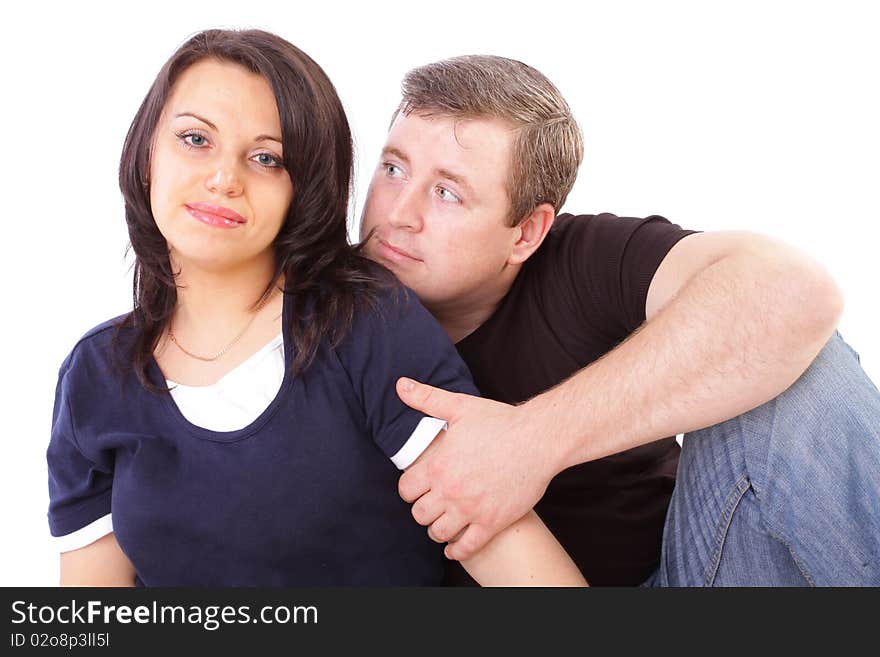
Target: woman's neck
(218, 303)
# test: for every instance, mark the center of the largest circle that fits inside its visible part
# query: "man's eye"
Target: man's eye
(392, 170)
(446, 195)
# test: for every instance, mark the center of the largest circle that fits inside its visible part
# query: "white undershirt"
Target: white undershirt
(234, 402)
(239, 397)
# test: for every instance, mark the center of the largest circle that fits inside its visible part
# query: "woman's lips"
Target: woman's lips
(215, 215)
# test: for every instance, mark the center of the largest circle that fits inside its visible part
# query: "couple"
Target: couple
(242, 436)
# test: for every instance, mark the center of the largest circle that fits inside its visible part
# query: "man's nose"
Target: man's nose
(406, 210)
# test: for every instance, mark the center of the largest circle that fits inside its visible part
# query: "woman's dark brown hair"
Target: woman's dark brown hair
(322, 271)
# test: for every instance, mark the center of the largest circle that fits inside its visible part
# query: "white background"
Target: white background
(759, 116)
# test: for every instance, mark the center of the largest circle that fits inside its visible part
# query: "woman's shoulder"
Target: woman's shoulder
(394, 318)
(390, 303)
(96, 345)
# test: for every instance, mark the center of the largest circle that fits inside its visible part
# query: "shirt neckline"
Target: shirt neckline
(474, 336)
(178, 418)
(248, 362)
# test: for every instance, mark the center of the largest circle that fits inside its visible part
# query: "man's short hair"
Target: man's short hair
(548, 145)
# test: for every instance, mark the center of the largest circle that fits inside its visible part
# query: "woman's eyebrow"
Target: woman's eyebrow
(213, 127)
(196, 116)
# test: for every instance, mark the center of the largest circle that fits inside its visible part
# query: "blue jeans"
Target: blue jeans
(787, 494)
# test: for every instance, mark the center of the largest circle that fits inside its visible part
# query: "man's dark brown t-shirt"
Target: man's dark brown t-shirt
(576, 298)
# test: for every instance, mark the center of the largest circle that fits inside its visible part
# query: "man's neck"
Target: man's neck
(462, 316)
(459, 326)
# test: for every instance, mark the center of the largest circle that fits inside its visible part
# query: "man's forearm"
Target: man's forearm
(737, 335)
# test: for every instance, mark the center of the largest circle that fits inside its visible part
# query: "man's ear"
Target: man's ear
(531, 233)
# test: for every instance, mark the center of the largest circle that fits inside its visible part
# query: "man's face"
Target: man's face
(438, 201)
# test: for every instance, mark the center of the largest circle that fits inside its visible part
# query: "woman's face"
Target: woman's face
(218, 189)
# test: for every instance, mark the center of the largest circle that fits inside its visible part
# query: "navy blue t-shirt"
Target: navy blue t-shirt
(305, 495)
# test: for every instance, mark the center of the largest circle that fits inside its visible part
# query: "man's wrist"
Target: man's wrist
(550, 434)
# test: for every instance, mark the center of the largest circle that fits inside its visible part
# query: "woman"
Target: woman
(241, 421)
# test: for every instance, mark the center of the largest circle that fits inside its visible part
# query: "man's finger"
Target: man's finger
(445, 528)
(432, 401)
(427, 509)
(471, 541)
(413, 483)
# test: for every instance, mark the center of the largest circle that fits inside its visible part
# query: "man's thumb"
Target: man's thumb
(427, 399)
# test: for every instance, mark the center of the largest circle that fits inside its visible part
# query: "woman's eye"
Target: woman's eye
(392, 170)
(194, 139)
(267, 160)
(191, 139)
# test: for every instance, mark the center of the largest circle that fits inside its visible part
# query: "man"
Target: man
(600, 338)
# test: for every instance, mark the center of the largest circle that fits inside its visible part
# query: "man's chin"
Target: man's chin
(402, 275)
(370, 252)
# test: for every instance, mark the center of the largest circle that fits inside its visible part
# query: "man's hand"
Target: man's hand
(484, 474)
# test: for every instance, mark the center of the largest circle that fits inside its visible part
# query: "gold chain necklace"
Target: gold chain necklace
(229, 346)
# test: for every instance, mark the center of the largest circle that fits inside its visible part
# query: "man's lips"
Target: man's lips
(394, 253)
(215, 215)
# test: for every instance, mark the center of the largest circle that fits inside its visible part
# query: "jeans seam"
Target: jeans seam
(739, 489)
(772, 534)
(793, 557)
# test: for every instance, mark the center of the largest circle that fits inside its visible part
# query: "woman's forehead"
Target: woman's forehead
(226, 94)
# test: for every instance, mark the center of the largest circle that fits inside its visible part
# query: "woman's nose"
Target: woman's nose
(224, 180)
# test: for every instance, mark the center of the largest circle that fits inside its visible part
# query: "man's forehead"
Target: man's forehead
(475, 127)
(478, 140)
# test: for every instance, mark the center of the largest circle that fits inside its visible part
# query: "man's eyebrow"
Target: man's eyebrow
(396, 152)
(213, 127)
(456, 178)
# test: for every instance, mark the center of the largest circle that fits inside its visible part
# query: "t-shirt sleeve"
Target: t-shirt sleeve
(610, 262)
(80, 485)
(398, 339)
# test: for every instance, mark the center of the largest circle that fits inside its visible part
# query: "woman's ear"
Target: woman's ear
(532, 231)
